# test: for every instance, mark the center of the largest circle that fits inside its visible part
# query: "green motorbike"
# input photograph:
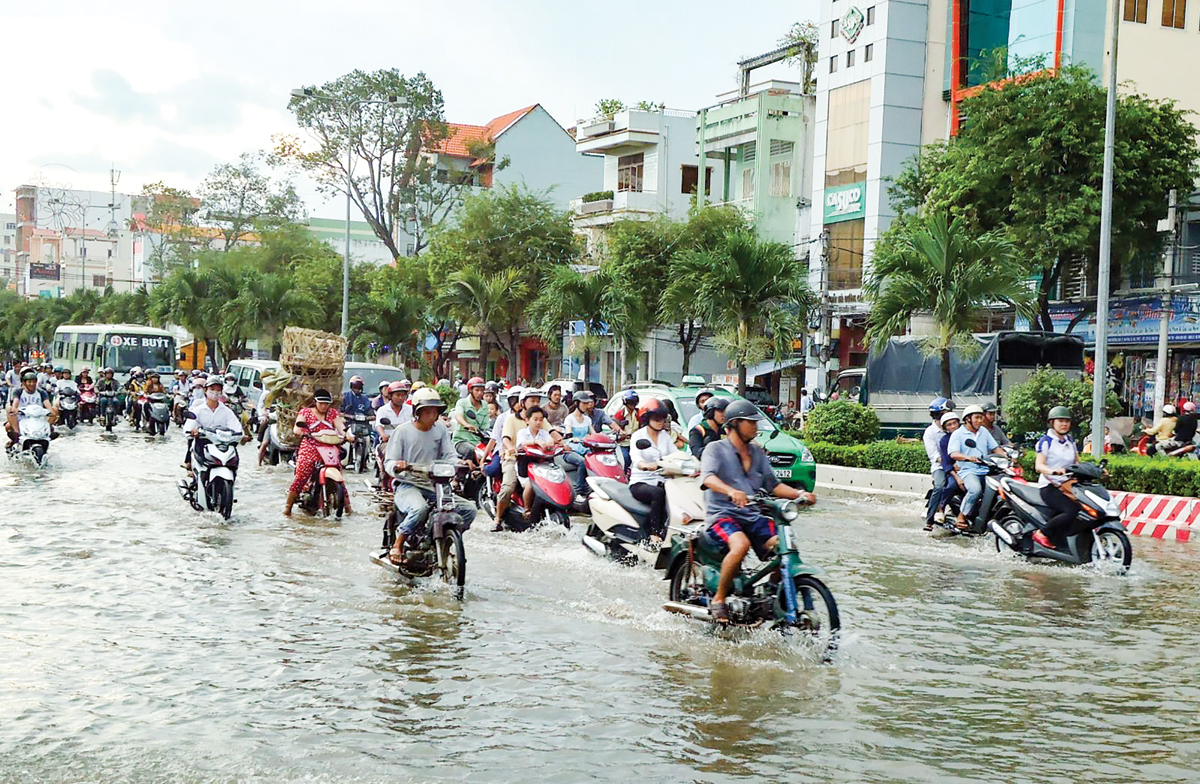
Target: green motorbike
(784, 591)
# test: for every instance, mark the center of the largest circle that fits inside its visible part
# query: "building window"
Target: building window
(835, 27)
(10, 225)
(781, 178)
(869, 53)
(690, 176)
(629, 172)
(1174, 12)
(8, 239)
(747, 183)
(846, 255)
(99, 281)
(1135, 10)
(850, 59)
(833, 64)
(846, 139)
(871, 15)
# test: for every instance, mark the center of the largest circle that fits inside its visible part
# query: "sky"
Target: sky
(167, 90)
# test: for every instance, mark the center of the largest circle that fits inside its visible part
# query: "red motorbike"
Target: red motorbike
(552, 491)
(88, 403)
(326, 490)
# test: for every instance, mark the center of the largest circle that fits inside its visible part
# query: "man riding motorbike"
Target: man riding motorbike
(1163, 431)
(423, 441)
(27, 394)
(731, 470)
(322, 416)
(531, 398)
(381, 400)
(468, 431)
(710, 428)
(354, 400)
(208, 414)
(931, 439)
(702, 397)
(969, 460)
(1055, 453)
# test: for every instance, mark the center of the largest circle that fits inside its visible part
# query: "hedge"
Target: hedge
(588, 198)
(1129, 473)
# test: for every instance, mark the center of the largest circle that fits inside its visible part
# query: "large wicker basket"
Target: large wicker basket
(307, 351)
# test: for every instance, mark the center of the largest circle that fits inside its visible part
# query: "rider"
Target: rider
(531, 398)
(702, 397)
(355, 401)
(969, 460)
(931, 439)
(587, 407)
(952, 483)
(709, 428)
(1055, 453)
(1163, 430)
(423, 441)
(381, 400)
(1185, 424)
(555, 408)
(208, 414)
(535, 432)
(468, 430)
(396, 412)
(180, 383)
(27, 394)
(322, 416)
(645, 480)
(626, 419)
(731, 470)
(990, 412)
(578, 423)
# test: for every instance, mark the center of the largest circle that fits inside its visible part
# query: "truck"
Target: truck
(900, 379)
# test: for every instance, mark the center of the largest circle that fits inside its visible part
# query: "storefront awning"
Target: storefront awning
(763, 368)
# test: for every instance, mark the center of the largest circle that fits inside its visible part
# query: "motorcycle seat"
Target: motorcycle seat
(619, 492)
(1030, 494)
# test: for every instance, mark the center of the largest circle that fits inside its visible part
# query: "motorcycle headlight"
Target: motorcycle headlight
(607, 460)
(789, 511)
(806, 455)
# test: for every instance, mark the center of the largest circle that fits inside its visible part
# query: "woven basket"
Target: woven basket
(298, 394)
(311, 350)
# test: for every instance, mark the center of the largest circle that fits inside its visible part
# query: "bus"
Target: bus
(119, 346)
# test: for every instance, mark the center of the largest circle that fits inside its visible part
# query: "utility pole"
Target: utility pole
(1165, 285)
(825, 329)
(1100, 370)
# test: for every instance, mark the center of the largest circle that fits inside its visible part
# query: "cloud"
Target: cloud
(115, 98)
(167, 158)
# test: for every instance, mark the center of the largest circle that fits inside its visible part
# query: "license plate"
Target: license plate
(783, 473)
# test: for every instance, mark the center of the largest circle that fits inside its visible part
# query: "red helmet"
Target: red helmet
(475, 381)
(653, 408)
(397, 386)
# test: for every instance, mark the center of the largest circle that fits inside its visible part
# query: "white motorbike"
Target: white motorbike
(68, 403)
(214, 461)
(618, 527)
(33, 438)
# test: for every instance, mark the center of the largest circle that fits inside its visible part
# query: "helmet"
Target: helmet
(529, 392)
(706, 391)
(108, 370)
(742, 409)
(513, 391)
(949, 416)
(321, 396)
(60, 369)
(29, 375)
(584, 396)
(474, 381)
(154, 374)
(195, 372)
(713, 405)
(1189, 406)
(971, 410)
(1168, 410)
(652, 409)
(418, 385)
(989, 408)
(230, 377)
(356, 380)
(140, 374)
(425, 397)
(384, 384)
(397, 386)
(492, 387)
(630, 397)
(1062, 412)
(214, 381)
(939, 405)
(134, 369)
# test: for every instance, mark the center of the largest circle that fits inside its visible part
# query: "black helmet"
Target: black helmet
(492, 387)
(742, 409)
(584, 396)
(319, 396)
(715, 404)
(706, 391)
(652, 409)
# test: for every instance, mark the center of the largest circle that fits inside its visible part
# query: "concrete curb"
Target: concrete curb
(897, 485)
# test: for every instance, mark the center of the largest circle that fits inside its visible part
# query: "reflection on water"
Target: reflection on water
(140, 640)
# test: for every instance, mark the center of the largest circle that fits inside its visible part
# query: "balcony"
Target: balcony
(737, 122)
(628, 131)
(624, 205)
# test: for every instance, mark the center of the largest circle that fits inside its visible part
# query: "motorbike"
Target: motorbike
(214, 459)
(326, 489)
(157, 413)
(34, 435)
(68, 404)
(360, 450)
(437, 544)
(1187, 450)
(998, 468)
(179, 408)
(278, 451)
(784, 591)
(110, 409)
(618, 527)
(88, 403)
(552, 492)
(600, 459)
(1096, 536)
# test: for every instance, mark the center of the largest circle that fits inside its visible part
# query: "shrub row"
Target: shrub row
(1130, 473)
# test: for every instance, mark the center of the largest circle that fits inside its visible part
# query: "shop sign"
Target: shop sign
(852, 24)
(845, 202)
(1131, 322)
(43, 271)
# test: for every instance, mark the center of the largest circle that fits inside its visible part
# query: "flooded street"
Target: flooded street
(141, 640)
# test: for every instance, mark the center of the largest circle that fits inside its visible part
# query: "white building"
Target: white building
(8, 251)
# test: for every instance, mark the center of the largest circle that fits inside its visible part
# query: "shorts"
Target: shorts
(758, 532)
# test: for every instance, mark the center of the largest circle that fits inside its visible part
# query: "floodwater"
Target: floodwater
(140, 640)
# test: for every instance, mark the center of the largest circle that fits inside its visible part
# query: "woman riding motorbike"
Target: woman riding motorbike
(1055, 453)
(322, 416)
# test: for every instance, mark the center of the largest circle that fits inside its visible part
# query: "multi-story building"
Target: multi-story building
(650, 168)
(891, 76)
(8, 251)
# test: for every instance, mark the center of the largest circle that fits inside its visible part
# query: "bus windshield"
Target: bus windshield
(144, 351)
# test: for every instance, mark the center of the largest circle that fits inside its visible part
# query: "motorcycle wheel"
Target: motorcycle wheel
(71, 418)
(485, 502)
(686, 583)
(335, 500)
(1110, 548)
(39, 454)
(362, 457)
(560, 517)
(222, 497)
(108, 421)
(817, 612)
(453, 557)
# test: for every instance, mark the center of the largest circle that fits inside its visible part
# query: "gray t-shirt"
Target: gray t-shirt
(421, 447)
(721, 459)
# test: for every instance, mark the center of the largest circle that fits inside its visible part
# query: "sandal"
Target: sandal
(929, 526)
(719, 612)
(397, 559)
(962, 525)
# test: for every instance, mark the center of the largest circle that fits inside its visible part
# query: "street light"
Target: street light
(352, 106)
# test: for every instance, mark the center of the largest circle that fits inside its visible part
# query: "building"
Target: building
(364, 245)
(8, 251)
(650, 168)
(891, 77)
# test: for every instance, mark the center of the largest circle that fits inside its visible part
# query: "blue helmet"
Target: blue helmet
(630, 397)
(939, 405)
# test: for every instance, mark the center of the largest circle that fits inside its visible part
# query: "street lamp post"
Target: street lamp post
(353, 107)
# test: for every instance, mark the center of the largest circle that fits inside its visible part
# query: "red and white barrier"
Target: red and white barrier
(1159, 516)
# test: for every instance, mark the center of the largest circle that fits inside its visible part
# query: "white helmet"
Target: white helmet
(1168, 410)
(949, 416)
(971, 410)
(426, 396)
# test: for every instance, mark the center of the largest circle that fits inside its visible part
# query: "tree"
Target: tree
(494, 304)
(591, 297)
(751, 292)
(237, 198)
(392, 322)
(1029, 162)
(801, 40)
(1026, 404)
(394, 174)
(267, 303)
(932, 265)
(169, 227)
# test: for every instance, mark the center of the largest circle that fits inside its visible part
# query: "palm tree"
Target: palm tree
(492, 304)
(751, 292)
(935, 266)
(394, 317)
(591, 297)
(181, 299)
(266, 304)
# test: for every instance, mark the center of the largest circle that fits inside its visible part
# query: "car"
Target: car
(249, 375)
(790, 458)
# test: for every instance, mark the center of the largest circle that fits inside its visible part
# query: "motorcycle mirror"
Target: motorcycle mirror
(470, 413)
(191, 415)
(970, 442)
(385, 421)
(643, 443)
